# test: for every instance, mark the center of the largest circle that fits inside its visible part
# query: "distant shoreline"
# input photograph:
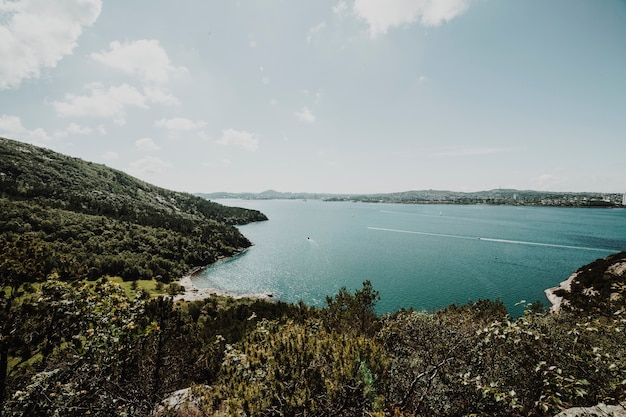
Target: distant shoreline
(503, 197)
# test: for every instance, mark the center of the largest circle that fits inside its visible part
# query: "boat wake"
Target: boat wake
(489, 239)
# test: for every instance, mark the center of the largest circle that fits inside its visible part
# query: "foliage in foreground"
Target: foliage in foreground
(468, 360)
(79, 348)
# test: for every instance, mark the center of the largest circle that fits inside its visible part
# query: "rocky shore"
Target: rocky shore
(554, 299)
(589, 280)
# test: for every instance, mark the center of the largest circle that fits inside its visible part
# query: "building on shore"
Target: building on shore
(624, 200)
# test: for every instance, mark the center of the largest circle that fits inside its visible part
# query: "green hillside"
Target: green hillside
(103, 221)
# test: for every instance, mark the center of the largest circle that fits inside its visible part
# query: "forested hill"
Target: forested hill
(30, 172)
(108, 222)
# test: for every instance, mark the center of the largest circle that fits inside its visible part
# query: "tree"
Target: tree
(86, 372)
(348, 312)
(297, 369)
(24, 260)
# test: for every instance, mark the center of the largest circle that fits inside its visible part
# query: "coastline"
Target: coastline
(554, 299)
(193, 293)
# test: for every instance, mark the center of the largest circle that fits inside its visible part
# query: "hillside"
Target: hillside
(108, 222)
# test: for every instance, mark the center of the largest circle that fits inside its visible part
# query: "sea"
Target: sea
(420, 256)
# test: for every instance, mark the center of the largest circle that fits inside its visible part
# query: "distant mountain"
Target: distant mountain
(496, 197)
(270, 195)
(107, 221)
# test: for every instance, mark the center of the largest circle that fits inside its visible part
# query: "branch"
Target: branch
(420, 376)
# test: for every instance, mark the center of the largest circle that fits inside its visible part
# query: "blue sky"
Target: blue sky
(359, 96)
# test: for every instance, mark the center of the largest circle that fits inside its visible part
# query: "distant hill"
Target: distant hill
(107, 221)
(271, 195)
(494, 197)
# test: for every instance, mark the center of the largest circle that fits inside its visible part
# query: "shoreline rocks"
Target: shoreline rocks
(554, 299)
(599, 286)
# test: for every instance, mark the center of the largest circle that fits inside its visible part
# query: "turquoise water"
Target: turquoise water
(420, 256)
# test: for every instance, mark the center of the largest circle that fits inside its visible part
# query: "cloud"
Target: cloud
(241, 139)
(148, 165)
(305, 115)
(143, 58)
(317, 96)
(12, 127)
(314, 31)
(99, 102)
(37, 34)
(73, 129)
(147, 145)
(340, 8)
(147, 60)
(180, 124)
(160, 96)
(384, 15)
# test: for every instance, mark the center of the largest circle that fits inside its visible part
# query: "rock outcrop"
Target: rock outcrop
(599, 287)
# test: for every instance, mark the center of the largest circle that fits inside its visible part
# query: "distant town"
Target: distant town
(492, 197)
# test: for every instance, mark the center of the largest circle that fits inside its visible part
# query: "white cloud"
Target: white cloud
(144, 58)
(100, 102)
(12, 127)
(119, 121)
(73, 129)
(340, 8)
(148, 165)
(37, 34)
(317, 96)
(160, 96)
(314, 31)
(383, 15)
(180, 124)
(305, 115)
(241, 139)
(11, 124)
(147, 145)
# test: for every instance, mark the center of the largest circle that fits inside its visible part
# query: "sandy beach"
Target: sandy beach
(193, 293)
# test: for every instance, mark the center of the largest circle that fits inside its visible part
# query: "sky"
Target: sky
(325, 96)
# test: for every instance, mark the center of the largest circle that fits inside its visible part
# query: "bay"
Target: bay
(416, 256)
